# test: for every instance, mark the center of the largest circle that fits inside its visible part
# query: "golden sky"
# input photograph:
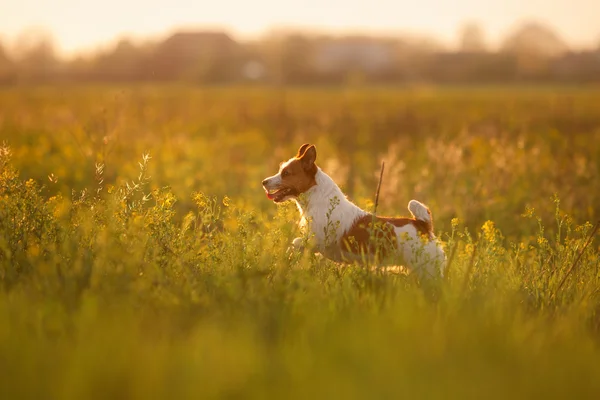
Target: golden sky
(84, 24)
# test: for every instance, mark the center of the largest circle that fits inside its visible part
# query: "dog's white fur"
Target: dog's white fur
(326, 215)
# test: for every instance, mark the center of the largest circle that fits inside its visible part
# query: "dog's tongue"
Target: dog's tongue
(269, 195)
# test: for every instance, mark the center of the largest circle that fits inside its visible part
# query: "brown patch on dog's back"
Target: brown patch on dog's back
(370, 234)
(424, 228)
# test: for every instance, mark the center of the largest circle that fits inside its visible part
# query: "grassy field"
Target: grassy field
(140, 258)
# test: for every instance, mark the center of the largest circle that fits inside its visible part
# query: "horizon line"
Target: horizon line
(448, 43)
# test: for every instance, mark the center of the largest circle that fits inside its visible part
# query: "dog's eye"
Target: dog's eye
(285, 173)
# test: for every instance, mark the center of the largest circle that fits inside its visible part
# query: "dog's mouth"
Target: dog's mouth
(278, 195)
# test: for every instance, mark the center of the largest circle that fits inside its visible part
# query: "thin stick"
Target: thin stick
(588, 241)
(374, 215)
(378, 187)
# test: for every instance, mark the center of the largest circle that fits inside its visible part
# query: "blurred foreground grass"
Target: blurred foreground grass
(169, 278)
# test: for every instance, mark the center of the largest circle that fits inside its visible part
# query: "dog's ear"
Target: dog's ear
(309, 157)
(302, 149)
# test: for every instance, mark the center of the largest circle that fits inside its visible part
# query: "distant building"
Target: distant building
(353, 53)
(253, 70)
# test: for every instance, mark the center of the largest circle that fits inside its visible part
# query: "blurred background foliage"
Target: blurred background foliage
(475, 154)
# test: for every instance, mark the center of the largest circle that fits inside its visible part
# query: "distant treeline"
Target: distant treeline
(532, 53)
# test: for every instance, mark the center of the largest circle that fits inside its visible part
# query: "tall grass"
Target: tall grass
(171, 277)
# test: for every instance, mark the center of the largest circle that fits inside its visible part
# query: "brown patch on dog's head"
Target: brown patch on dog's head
(295, 176)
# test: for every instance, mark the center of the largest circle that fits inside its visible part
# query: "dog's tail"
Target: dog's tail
(421, 213)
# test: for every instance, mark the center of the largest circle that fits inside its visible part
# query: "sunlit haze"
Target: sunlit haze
(80, 25)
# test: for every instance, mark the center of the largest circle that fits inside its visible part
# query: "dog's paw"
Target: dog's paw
(296, 247)
(298, 244)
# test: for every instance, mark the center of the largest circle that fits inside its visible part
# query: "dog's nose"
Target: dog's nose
(264, 182)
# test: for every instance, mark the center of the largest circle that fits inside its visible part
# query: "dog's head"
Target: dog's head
(295, 176)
